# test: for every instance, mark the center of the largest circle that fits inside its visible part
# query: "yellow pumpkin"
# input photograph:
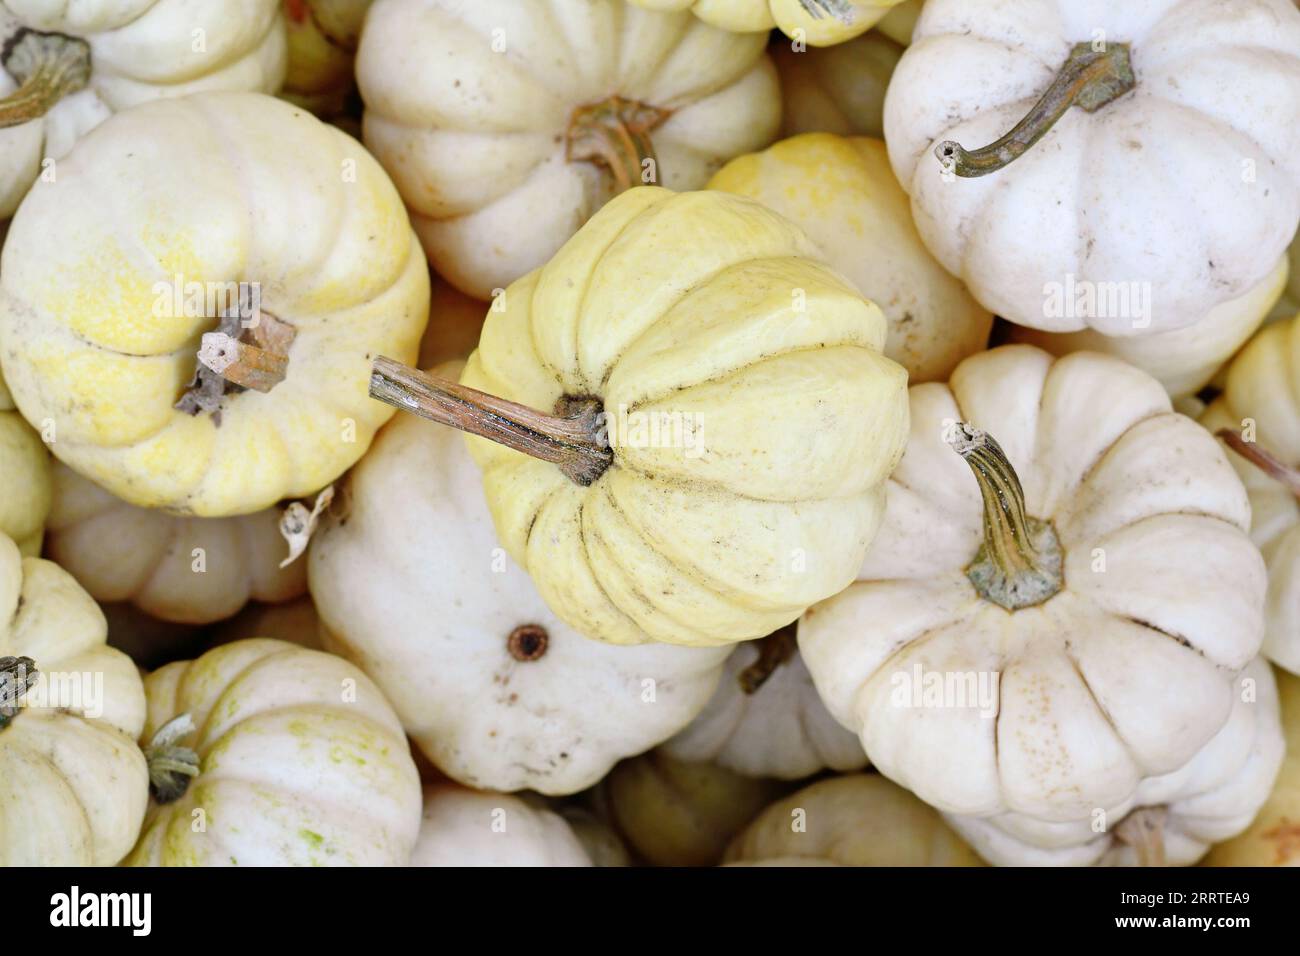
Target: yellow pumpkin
(1274, 838)
(843, 194)
(73, 783)
(838, 89)
(323, 37)
(175, 568)
(775, 421)
(25, 486)
(165, 216)
(818, 22)
(854, 820)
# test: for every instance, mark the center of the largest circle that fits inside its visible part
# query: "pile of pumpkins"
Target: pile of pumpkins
(821, 443)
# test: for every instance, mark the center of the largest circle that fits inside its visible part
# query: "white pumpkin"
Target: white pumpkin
(766, 720)
(1182, 360)
(463, 827)
(856, 820)
(1045, 644)
(181, 569)
(1261, 401)
(506, 123)
(818, 22)
(673, 813)
(116, 53)
(73, 783)
(1181, 185)
(292, 756)
(25, 478)
(837, 89)
(411, 583)
(1171, 819)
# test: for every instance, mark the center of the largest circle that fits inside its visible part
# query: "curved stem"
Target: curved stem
(1020, 562)
(614, 133)
(573, 438)
(48, 67)
(1144, 831)
(1089, 79)
(1263, 459)
(17, 675)
(773, 651)
(171, 765)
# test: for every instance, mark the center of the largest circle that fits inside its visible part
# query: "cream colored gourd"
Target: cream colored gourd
(296, 759)
(817, 22)
(497, 691)
(1185, 189)
(1171, 820)
(322, 45)
(73, 783)
(672, 813)
(766, 720)
(119, 54)
(1273, 839)
(186, 570)
(707, 417)
(25, 477)
(463, 827)
(856, 820)
(1289, 304)
(838, 89)
(1261, 400)
(1044, 652)
(507, 123)
(842, 193)
(98, 336)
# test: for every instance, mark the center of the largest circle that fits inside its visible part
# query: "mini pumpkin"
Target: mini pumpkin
(1273, 839)
(264, 240)
(463, 827)
(818, 22)
(842, 193)
(673, 813)
(497, 691)
(838, 89)
(322, 44)
(288, 757)
(64, 68)
(1097, 202)
(1172, 819)
(73, 783)
(1258, 415)
(1289, 304)
(1182, 360)
(185, 570)
(1046, 635)
(722, 422)
(25, 481)
(855, 820)
(766, 720)
(507, 123)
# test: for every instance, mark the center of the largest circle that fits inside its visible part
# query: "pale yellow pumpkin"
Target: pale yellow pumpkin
(855, 820)
(843, 194)
(111, 277)
(175, 568)
(73, 783)
(463, 827)
(838, 89)
(25, 477)
(818, 22)
(322, 44)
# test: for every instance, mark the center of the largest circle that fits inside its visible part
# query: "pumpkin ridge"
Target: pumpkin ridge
(1067, 651)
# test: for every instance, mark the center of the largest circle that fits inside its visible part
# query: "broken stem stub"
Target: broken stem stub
(238, 356)
(1089, 79)
(171, 764)
(572, 438)
(614, 133)
(47, 67)
(1286, 475)
(773, 651)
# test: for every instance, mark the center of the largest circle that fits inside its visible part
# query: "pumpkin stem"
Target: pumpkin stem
(1089, 79)
(249, 349)
(1144, 831)
(773, 651)
(17, 675)
(1263, 459)
(47, 67)
(573, 438)
(1019, 564)
(838, 9)
(171, 765)
(615, 133)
